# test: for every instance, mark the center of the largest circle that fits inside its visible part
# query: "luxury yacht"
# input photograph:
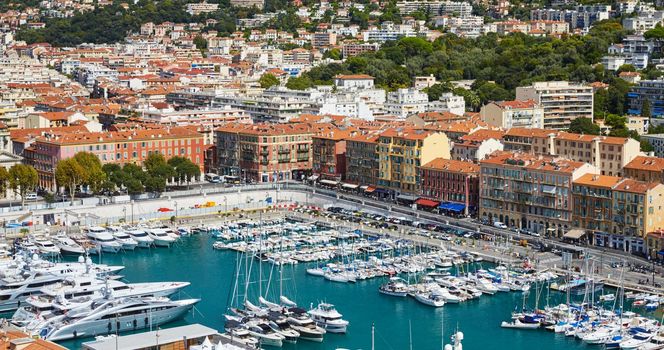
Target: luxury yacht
(46, 246)
(128, 243)
(327, 317)
(68, 245)
(104, 239)
(111, 316)
(395, 287)
(141, 237)
(161, 237)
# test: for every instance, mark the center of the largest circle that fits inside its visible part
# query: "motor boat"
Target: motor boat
(46, 246)
(235, 333)
(396, 287)
(68, 245)
(128, 243)
(638, 339)
(77, 290)
(103, 239)
(328, 318)
(112, 316)
(430, 299)
(519, 325)
(141, 237)
(266, 335)
(161, 237)
(304, 324)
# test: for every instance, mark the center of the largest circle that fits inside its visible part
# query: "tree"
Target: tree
(22, 180)
(200, 42)
(646, 146)
(4, 181)
(185, 169)
(93, 175)
(299, 83)
(334, 54)
(267, 80)
(584, 126)
(645, 109)
(69, 174)
(155, 184)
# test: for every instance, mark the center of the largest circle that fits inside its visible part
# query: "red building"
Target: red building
(329, 154)
(454, 183)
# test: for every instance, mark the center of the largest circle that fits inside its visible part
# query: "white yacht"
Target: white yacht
(266, 335)
(76, 291)
(15, 289)
(141, 237)
(46, 246)
(112, 316)
(327, 317)
(104, 239)
(68, 245)
(238, 335)
(430, 299)
(125, 239)
(161, 237)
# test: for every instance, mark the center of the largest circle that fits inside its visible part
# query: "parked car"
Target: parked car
(499, 224)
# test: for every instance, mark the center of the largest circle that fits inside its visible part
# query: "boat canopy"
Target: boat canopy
(451, 206)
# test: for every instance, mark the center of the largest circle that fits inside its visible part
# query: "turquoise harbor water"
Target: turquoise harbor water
(212, 276)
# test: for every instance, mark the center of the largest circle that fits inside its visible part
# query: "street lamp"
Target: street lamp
(176, 208)
(124, 212)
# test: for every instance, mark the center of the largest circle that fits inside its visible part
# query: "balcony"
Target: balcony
(284, 151)
(303, 150)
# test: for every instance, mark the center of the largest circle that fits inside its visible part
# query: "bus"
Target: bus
(214, 178)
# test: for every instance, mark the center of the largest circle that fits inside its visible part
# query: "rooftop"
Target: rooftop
(646, 163)
(451, 165)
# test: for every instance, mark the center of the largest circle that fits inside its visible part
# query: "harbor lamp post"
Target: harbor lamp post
(176, 208)
(124, 213)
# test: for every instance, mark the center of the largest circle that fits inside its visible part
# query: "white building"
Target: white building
(511, 114)
(354, 81)
(404, 102)
(448, 102)
(562, 102)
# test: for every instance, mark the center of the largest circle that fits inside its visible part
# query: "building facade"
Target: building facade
(446, 180)
(511, 114)
(562, 101)
(529, 191)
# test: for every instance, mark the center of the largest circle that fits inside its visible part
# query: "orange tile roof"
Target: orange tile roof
(635, 186)
(530, 132)
(646, 163)
(120, 136)
(532, 162)
(29, 343)
(516, 104)
(597, 180)
(483, 134)
(451, 165)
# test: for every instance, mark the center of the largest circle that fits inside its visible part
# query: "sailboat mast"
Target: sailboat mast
(410, 335)
(373, 347)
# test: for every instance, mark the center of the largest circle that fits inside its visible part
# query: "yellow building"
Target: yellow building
(402, 152)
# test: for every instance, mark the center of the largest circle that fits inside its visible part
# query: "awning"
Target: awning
(329, 182)
(407, 198)
(381, 191)
(455, 207)
(350, 186)
(313, 177)
(661, 252)
(370, 189)
(427, 203)
(574, 234)
(364, 188)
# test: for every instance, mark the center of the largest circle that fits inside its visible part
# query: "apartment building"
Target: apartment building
(478, 145)
(608, 154)
(354, 49)
(122, 147)
(201, 7)
(265, 152)
(513, 114)
(448, 102)
(329, 154)
(562, 101)
(457, 8)
(248, 3)
(404, 102)
(528, 191)
(530, 140)
(362, 159)
(402, 152)
(648, 169)
(323, 39)
(618, 212)
(451, 182)
(651, 91)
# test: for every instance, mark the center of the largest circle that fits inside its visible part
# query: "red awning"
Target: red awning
(427, 203)
(163, 210)
(370, 189)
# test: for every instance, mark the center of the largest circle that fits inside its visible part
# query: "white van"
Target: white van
(31, 196)
(499, 224)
